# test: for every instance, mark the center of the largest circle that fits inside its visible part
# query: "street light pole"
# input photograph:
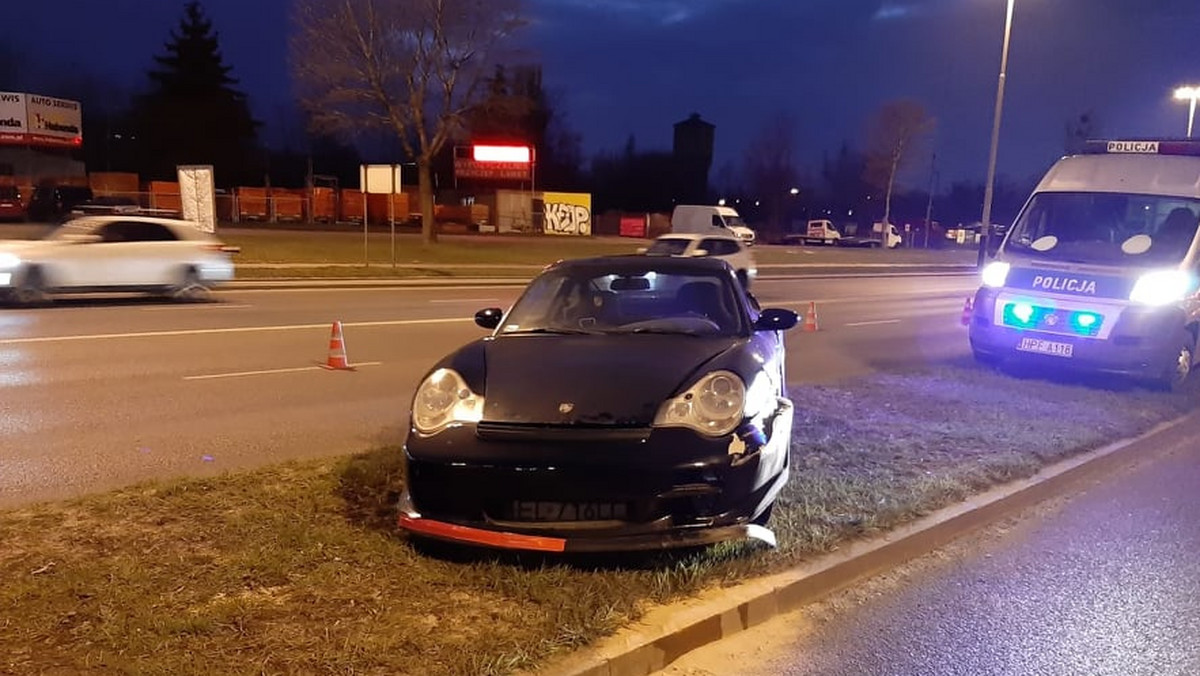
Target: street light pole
(1189, 94)
(989, 188)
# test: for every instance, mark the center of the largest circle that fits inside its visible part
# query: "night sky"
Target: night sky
(636, 66)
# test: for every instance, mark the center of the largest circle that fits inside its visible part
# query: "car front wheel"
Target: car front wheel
(31, 290)
(189, 289)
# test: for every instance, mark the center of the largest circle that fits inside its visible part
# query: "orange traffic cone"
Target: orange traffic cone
(966, 313)
(810, 318)
(337, 351)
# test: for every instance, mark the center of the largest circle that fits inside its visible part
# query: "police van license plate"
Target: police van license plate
(1049, 347)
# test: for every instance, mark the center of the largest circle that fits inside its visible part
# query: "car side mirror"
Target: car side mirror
(776, 319)
(489, 318)
(84, 239)
(643, 249)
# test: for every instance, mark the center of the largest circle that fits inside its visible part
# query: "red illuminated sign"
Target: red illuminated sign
(493, 162)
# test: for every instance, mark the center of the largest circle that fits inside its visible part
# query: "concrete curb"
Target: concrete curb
(667, 633)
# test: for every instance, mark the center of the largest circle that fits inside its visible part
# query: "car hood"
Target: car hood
(590, 380)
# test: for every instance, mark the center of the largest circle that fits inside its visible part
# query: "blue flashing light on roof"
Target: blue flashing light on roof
(1143, 147)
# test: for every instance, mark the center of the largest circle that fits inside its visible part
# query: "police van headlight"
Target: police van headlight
(995, 274)
(1162, 287)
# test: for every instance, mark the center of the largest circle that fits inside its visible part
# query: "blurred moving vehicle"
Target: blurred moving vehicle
(50, 203)
(623, 403)
(729, 249)
(11, 206)
(1101, 270)
(709, 220)
(115, 253)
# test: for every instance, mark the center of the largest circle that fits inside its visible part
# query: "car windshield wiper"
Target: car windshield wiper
(668, 332)
(557, 331)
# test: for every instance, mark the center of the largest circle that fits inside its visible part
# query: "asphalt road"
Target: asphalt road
(100, 393)
(1105, 582)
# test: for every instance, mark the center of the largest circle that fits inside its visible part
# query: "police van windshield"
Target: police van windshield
(1106, 228)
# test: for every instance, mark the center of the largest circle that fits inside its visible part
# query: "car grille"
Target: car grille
(494, 431)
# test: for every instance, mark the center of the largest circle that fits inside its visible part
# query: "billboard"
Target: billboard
(12, 118)
(36, 120)
(497, 163)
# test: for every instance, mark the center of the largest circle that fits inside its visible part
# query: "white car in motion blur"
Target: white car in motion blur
(115, 253)
(728, 248)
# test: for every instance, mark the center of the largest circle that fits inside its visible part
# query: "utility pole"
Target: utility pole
(929, 205)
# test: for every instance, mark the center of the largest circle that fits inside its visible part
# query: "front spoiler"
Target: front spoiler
(689, 537)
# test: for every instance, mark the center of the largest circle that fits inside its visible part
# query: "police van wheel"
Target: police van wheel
(1180, 367)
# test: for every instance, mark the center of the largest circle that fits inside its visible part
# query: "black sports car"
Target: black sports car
(623, 403)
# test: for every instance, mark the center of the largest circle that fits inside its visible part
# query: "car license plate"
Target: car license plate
(1049, 347)
(523, 510)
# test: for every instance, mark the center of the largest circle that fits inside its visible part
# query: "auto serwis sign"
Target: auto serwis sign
(12, 118)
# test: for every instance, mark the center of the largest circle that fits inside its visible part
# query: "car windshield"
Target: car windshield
(1106, 228)
(668, 246)
(72, 230)
(735, 222)
(8, 192)
(643, 301)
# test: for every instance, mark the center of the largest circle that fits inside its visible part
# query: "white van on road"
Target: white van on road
(710, 220)
(1101, 269)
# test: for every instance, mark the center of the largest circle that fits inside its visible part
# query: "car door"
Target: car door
(152, 254)
(87, 257)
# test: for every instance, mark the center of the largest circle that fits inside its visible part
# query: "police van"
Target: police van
(1100, 270)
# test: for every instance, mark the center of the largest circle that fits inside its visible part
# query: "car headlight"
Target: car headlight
(1162, 287)
(9, 261)
(714, 406)
(995, 274)
(442, 400)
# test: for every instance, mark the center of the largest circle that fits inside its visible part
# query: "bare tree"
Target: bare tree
(896, 134)
(414, 67)
(771, 167)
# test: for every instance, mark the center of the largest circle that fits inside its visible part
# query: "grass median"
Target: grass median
(298, 568)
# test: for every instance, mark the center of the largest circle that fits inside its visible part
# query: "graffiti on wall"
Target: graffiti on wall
(567, 213)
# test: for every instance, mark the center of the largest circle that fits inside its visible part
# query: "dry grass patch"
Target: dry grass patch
(298, 568)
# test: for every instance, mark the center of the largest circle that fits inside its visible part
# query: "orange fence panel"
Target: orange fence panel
(165, 195)
(252, 203)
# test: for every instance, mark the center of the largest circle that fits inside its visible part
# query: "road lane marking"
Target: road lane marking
(193, 308)
(876, 322)
(467, 300)
(236, 329)
(297, 369)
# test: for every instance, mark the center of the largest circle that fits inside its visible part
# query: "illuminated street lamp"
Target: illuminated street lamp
(989, 189)
(795, 191)
(1189, 94)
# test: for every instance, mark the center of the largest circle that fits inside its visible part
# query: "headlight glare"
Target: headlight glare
(714, 406)
(995, 274)
(442, 400)
(1162, 287)
(9, 261)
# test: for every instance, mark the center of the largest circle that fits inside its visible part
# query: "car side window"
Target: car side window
(113, 233)
(136, 231)
(717, 222)
(712, 246)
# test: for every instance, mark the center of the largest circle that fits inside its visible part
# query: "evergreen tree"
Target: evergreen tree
(193, 112)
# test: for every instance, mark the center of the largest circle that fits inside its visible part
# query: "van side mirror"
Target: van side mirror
(776, 319)
(489, 318)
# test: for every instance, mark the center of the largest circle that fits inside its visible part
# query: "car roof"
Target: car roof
(635, 264)
(696, 236)
(188, 228)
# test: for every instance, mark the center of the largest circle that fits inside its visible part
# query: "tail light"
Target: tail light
(222, 248)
